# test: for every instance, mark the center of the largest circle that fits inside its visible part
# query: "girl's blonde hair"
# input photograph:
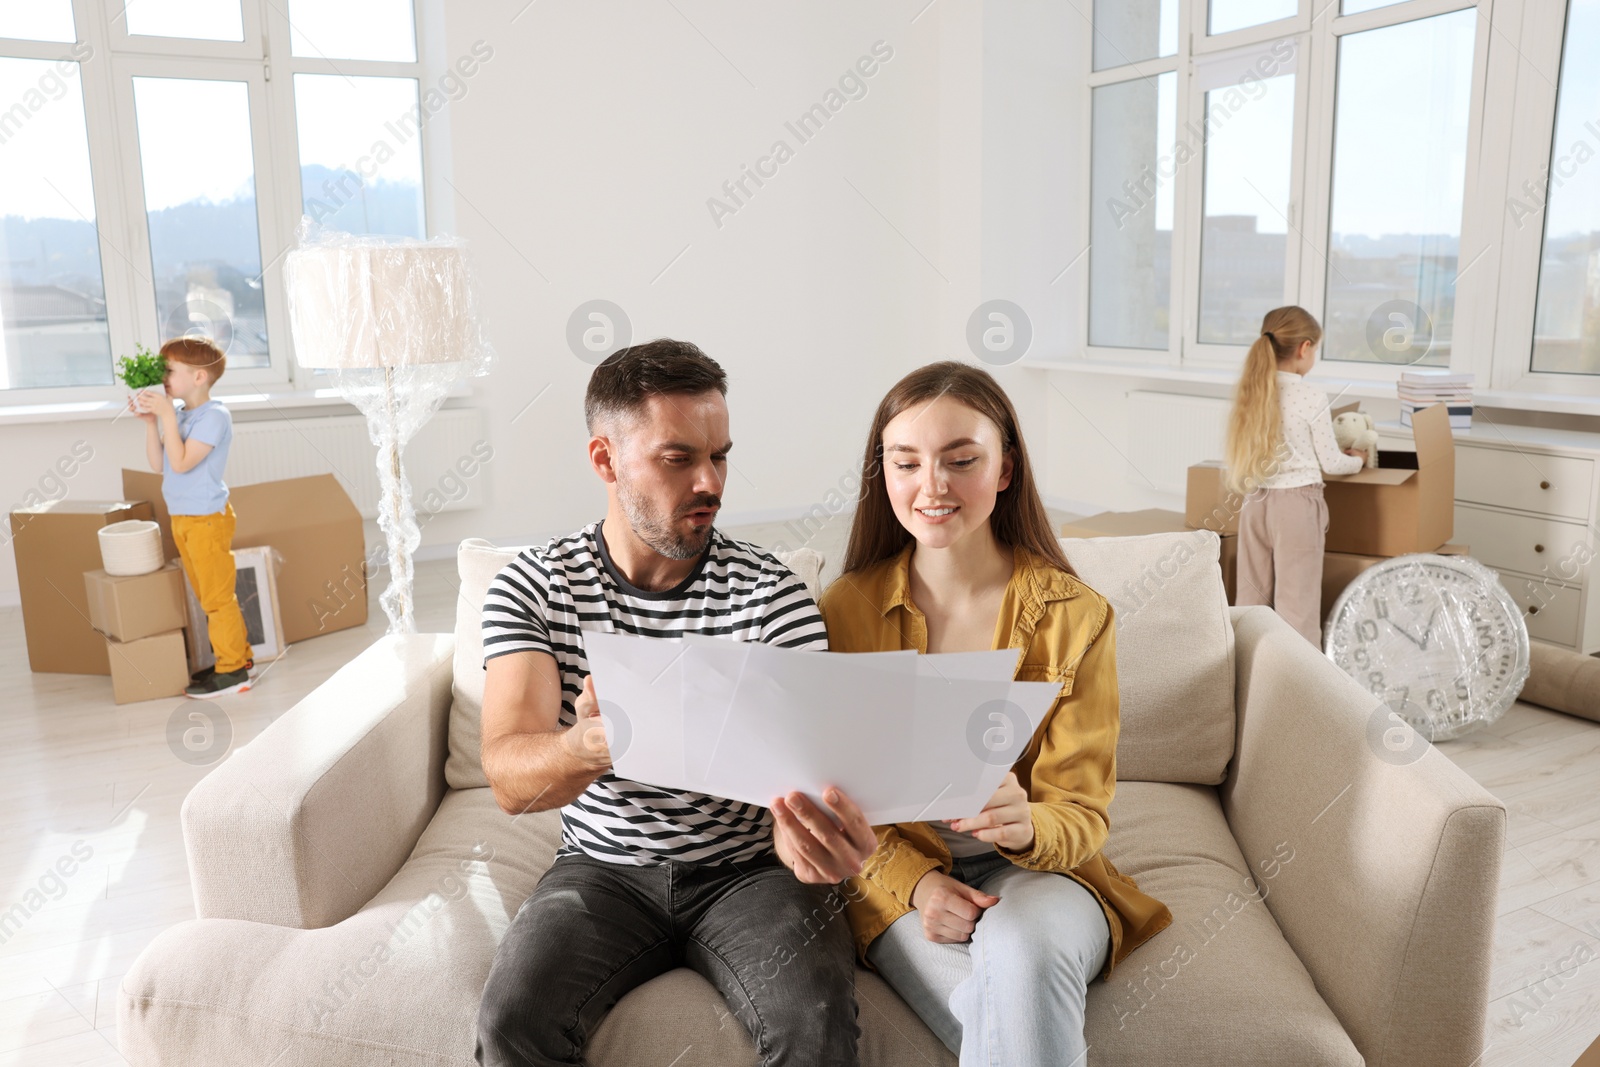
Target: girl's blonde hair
(1255, 424)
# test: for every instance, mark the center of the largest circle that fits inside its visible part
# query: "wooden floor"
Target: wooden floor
(97, 783)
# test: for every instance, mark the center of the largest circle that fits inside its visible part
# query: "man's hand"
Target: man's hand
(586, 740)
(950, 908)
(821, 848)
(1007, 820)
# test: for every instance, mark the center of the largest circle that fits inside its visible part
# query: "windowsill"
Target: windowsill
(1362, 388)
(275, 399)
(279, 399)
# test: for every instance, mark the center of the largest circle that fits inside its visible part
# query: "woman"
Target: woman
(990, 927)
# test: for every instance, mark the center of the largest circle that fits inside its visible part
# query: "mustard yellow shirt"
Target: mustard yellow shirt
(1063, 632)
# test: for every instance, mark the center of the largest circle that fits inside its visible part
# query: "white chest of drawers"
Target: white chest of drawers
(1528, 505)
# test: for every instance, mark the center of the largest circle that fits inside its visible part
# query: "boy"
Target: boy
(190, 449)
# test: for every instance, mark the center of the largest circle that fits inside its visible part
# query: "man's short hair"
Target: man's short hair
(627, 379)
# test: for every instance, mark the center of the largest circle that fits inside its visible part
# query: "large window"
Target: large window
(53, 327)
(1133, 160)
(1423, 181)
(1566, 326)
(1399, 173)
(1249, 137)
(154, 166)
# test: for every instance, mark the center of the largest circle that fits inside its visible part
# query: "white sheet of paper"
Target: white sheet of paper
(645, 732)
(908, 737)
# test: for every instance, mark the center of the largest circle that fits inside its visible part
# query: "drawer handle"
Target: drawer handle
(1538, 548)
(1544, 485)
(1533, 609)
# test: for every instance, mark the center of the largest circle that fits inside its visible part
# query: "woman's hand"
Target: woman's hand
(1007, 820)
(819, 847)
(950, 908)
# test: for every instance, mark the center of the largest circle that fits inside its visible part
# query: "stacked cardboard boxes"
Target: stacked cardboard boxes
(142, 619)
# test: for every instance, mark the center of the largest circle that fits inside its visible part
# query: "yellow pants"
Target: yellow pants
(205, 545)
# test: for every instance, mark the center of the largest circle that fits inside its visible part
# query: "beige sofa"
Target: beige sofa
(1333, 885)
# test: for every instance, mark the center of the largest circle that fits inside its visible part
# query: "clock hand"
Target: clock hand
(1428, 630)
(1403, 632)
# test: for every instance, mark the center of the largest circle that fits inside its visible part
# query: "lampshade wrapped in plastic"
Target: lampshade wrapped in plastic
(395, 323)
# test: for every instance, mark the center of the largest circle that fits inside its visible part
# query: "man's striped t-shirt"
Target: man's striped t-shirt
(543, 601)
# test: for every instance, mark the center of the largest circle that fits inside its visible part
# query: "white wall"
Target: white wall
(589, 147)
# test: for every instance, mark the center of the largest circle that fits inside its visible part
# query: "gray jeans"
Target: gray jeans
(777, 950)
(1014, 995)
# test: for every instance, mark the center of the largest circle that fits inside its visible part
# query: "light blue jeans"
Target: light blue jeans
(1013, 996)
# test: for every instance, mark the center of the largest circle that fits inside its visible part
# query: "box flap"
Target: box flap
(293, 502)
(1126, 524)
(79, 507)
(1379, 476)
(1334, 413)
(146, 485)
(1430, 429)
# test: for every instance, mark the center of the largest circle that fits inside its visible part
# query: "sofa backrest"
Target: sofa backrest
(1174, 651)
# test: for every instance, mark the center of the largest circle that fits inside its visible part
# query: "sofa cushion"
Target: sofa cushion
(1174, 651)
(399, 982)
(477, 562)
(1220, 985)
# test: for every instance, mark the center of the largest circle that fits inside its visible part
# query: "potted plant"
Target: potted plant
(143, 370)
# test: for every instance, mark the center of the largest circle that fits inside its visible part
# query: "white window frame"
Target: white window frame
(265, 63)
(1498, 263)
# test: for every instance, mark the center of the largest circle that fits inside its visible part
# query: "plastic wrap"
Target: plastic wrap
(395, 323)
(1435, 638)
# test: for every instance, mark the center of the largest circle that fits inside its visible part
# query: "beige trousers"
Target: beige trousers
(1281, 534)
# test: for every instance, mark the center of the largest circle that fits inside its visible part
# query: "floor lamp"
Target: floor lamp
(395, 324)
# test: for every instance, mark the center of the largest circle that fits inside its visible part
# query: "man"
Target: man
(646, 878)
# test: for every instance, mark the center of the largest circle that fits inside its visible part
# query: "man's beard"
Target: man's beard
(661, 534)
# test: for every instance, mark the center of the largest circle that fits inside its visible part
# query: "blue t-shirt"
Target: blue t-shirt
(200, 490)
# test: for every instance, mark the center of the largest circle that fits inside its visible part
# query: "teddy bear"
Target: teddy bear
(1354, 429)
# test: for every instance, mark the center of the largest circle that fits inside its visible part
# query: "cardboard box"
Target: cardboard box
(1149, 521)
(55, 543)
(149, 668)
(1406, 505)
(1339, 569)
(128, 607)
(255, 584)
(1206, 504)
(316, 529)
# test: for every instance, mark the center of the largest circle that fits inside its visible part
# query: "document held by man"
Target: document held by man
(908, 737)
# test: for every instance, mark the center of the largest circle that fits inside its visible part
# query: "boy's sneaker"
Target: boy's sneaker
(205, 672)
(216, 685)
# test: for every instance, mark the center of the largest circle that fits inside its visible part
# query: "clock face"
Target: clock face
(1436, 638)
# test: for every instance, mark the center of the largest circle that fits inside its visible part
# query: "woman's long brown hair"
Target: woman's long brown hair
(1019, 518)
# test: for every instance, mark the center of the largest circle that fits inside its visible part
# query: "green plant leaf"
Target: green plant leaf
(144, 368)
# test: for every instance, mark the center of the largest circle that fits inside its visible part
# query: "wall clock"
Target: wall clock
(1436, 638)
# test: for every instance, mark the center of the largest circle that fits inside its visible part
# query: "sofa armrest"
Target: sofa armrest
(303, 825)
(1390, 896)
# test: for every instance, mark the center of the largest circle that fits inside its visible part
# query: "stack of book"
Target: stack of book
(1424, 388)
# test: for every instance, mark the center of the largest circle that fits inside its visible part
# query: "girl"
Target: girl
(991, 927)
(1280, 440)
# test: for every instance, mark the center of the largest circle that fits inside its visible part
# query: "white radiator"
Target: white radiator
(445, 462)
(1167, 432)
